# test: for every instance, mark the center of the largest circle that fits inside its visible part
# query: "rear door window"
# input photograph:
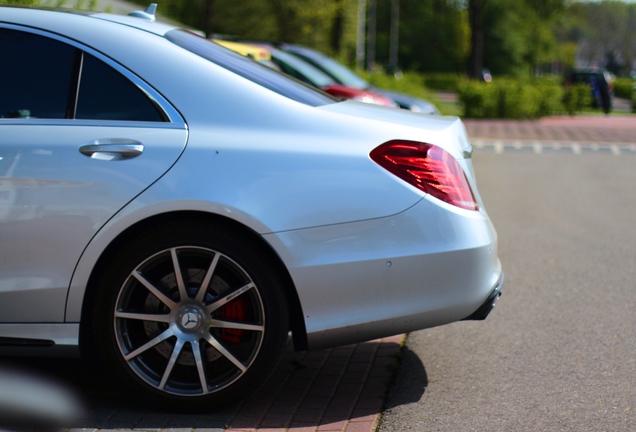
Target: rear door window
(48, 79)
(35, 76)
(105, 94)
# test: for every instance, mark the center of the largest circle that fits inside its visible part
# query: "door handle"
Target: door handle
(112, 149)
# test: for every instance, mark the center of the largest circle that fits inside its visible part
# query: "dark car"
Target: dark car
(600, 83)
(345, 76)
(312, 75)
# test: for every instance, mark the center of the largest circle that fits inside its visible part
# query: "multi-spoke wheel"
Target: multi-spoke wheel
(194, 316)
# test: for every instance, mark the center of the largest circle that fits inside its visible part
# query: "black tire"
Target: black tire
(181, 347)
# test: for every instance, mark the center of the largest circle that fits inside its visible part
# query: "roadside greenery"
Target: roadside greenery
(624, 87)
(506, 98)
(74, 4)
(577, 98)
(511, 99)
(410, 83)
(444, 81)
(521, 40)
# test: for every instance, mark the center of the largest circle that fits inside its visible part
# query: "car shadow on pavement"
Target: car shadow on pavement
(105, 404)
(329, 389)
(404, 392)
(336, 386)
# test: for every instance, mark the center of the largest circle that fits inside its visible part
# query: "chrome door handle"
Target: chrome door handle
(112, 149)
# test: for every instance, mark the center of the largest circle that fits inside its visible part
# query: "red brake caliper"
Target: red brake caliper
(234, 311)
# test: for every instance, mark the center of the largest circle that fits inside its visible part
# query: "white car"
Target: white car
(179, 209)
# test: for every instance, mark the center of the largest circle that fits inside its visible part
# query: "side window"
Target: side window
(35, 75)
(38, 79)
(105, 94)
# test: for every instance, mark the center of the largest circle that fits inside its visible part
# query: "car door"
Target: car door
(80, 136)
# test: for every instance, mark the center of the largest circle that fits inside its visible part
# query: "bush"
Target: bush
(410, 83)
(479, 99)
(510, 99)
(577, 97)
(623, 88)
(551, 97)
(634, 102)
(443, 81)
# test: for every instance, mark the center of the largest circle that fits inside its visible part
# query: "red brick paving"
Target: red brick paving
(340, 389)
(584, 128)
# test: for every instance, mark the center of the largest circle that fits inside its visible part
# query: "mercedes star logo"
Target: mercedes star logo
(189, 320)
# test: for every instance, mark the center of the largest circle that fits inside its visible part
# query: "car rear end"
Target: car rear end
(431, 263)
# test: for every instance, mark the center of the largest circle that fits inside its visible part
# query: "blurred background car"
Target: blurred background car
(259, 54)
(600, 83)
(345, 76)
(301, 70)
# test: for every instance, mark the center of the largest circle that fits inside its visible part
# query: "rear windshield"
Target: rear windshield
(249, 69)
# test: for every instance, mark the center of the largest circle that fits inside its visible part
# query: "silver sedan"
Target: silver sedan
(179, 210)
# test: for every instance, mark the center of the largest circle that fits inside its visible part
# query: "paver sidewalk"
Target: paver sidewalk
(340, 389)
(599, 129)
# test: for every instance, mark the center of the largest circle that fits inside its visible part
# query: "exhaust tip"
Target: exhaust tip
(484, 310)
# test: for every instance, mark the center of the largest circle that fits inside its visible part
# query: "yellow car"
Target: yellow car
(260, 54)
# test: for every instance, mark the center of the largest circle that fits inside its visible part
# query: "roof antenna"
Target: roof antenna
(148, 14)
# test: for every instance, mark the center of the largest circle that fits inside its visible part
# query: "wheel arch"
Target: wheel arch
(296, 317)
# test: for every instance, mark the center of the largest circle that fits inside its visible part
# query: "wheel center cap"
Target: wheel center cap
(190, 319)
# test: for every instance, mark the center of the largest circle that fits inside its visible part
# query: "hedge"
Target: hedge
(443, 81)
(623, 87)
(510, 99)
(410, 83)
(577, 98)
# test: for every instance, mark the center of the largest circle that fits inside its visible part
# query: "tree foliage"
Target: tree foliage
(328, 25)
(604, 34)
(21, 2)
(75, 4)
(454, 36)
(518, 36)
(434, 35)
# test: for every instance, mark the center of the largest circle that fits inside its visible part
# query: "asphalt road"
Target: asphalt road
(558, 353)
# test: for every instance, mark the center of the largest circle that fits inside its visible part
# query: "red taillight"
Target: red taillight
(429, 168)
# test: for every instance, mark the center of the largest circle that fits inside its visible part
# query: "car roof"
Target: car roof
(62, 17)
(589, 70)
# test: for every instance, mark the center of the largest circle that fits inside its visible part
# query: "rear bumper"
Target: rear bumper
(482, 312)
(428, 266)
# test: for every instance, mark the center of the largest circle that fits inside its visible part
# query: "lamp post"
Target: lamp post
(371, 35)
(362, 7)
(395, 25)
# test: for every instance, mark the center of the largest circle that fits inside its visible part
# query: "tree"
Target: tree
(604, 33)
(504, 39)
(540, 15)
(518, 36)
(475, 18)
(338, 25)
(21, 2)
(76, 4)
(433, 35)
